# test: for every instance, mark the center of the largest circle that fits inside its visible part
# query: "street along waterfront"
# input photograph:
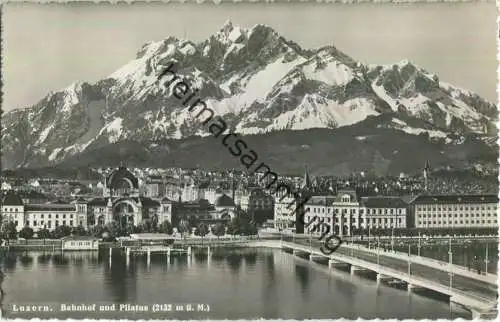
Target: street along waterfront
(249, 283)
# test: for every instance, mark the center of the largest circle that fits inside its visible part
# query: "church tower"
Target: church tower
(427, 169)
(300, 200)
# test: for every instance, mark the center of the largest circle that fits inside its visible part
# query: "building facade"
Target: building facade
(121, 201)
(40, 216)
(455, 211)
(346, 212)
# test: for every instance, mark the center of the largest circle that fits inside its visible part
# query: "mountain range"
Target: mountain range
(315, 106)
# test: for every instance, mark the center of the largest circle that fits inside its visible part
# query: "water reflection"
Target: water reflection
(250, 259)
(2, 294)
(26, 260)
(234, 261)
(121, 281)
(269, 289)
(302, 274)
(60, 260)
(44, 258)
(279, 284)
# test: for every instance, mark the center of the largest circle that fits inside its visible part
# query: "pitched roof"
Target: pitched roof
(12, 199)
(306, 181)
(224, 201)
(383, 202)
(50, 207)
(148, 202)
(455, 199)
(98, 202)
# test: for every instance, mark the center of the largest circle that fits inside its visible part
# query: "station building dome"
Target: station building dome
(122, 178)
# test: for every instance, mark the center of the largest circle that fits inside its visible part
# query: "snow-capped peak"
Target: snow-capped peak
(258, 81)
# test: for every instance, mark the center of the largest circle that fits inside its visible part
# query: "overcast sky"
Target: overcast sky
(47, 47)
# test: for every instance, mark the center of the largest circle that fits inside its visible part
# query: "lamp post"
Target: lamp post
(450, 255)
(352, 245)
(310, 240)
(378, 251)
(418, 247)
(409, 260)
(486, 261)
(392, 238)
(369, 236)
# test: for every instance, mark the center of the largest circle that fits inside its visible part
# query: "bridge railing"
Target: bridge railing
(400, 274)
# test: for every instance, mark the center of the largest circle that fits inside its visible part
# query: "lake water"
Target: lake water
(232, 283)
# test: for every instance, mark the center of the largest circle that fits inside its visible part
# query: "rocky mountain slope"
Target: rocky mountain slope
(259, 83)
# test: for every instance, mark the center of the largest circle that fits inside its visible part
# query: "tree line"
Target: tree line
(241, 224)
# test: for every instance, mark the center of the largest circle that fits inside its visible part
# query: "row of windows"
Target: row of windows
(49, 223)
(49, 216)
(449, 208)
(369, 211)
(425, 222)
(11, 209)
(321, 210)
(456, 215)
(80, 243)
(361, 220)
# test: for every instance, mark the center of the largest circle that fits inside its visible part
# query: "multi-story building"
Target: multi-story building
(121, 201)
(455, 211)
(12, 209)
(39, 216)
(346, 211)
(383, 212)
(284, 212)
(260, 205)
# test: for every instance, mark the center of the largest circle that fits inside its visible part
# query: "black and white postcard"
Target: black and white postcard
(249, 160)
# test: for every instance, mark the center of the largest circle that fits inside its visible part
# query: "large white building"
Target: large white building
(346, 211)
(284, 212)
(38, 216)
(121, 201)
(455, 211)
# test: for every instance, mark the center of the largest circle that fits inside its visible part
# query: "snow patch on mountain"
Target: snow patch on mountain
(382, 93)
(403, 126)
(334, 73)
(258, 86)
(70, 96)
(43, 135)
(114, 130)
(53, 155)
(318, 112)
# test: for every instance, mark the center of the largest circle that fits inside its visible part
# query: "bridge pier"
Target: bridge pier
(314, 256)
(334, 263)
(381, 278)
(480, 315)
(189, 251)
(412, 287)
(149, 256)
(209, 255)
(355, 268)
(110, 256)
(127, 256)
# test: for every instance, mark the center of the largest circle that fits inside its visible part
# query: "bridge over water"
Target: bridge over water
(475, 292)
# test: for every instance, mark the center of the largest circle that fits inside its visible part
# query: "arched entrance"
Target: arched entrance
(123, 213)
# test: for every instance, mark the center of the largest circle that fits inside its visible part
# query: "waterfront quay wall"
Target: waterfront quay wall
(32, 244)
